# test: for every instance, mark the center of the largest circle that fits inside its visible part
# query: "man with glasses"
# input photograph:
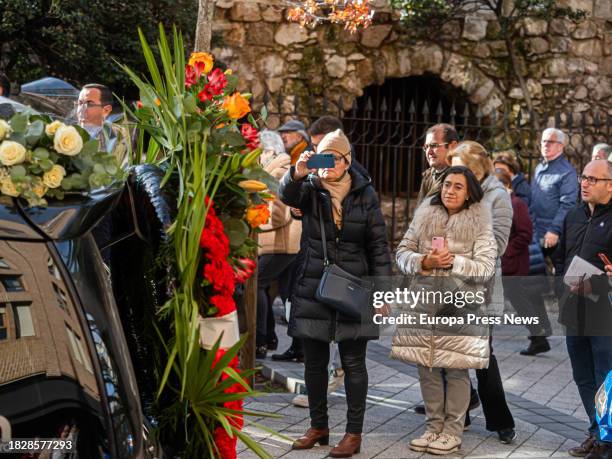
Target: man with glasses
(94, 106)
(554, 191)
(439, 140)
(586, 305)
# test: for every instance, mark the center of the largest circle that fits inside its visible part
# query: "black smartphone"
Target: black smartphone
(321, 161)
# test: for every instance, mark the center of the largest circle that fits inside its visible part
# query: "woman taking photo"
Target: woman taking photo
(356, 241)
(459, 226)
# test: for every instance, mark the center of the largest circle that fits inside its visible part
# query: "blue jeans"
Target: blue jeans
(591, 358)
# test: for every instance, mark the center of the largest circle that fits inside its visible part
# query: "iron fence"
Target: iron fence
(388, 131)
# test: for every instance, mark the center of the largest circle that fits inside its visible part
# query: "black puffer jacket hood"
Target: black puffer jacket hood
(360, 247)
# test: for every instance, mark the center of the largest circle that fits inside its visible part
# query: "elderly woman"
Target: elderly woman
(356, 241)
(466, 256)
(279, 242)
(490, 388)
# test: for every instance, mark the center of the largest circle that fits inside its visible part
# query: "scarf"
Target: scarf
(338, 189)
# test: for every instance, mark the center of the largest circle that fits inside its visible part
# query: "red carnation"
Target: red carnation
(251, 136)
(225, 304)
(225, 444)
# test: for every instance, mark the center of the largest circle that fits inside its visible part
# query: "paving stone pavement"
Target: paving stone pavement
(540, 391)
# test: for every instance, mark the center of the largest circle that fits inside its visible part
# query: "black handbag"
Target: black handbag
(340, 290)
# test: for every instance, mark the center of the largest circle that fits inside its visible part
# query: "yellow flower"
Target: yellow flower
(11, 153)
(67, 141)
(202, 58)
(53, 178)
(39, 188)
(257, 215)
(51, 128)
(5, 129)
(236, 106)
(252, 186)
(8, 188)
(228, 72)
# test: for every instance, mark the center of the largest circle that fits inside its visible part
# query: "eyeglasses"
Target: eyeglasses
(592, 180)
(87, 104)
(434, 146)
(546, 142)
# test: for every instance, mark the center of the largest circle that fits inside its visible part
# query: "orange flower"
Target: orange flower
(157, 102)
(236, 106)
(202, 58)
(257, 215)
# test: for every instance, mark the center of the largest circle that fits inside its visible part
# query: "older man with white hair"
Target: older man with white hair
(554, 191)
(601, 151)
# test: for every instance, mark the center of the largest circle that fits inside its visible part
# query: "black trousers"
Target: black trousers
(491, 392)
(316, 361)
(525, 294)
(270, 268)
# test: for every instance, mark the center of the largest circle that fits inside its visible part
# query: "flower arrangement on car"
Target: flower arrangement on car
(41, 158)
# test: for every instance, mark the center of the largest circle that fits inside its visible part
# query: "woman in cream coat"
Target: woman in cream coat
(465, 263)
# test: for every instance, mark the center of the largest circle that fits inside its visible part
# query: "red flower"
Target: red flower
(214, 87)
(251, 136)
(246, 271)
(225, 304)
(217, 81)
(221, 276)
(225, 444)
(193, 73)
(139, 104)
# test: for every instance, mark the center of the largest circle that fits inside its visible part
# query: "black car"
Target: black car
(73, 358)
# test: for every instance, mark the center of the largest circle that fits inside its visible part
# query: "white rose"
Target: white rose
(11, 153)
(5, 129)
(67, 141)
(39, 188)
(53, 178)
(8, 188)
(51, 128)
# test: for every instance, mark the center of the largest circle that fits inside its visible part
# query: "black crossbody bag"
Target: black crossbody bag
(340, 290)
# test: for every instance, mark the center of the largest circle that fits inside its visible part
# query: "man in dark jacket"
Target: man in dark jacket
(554, 191)
(586, 306)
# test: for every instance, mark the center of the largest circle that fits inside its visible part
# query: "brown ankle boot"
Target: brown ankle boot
(349, 445)
(311, 438)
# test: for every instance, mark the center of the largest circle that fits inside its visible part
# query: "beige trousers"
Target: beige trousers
(445, 409)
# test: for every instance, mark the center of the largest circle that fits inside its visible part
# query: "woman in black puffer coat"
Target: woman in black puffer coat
(357, 242)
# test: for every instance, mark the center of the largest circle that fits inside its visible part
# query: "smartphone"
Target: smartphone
(437, 242)
(321, 161)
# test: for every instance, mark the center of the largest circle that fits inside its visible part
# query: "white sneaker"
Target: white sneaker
(336, 380)
(420, 444)
(445, 444)
(300, 400)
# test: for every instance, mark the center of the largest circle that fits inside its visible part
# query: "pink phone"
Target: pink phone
(437, 242)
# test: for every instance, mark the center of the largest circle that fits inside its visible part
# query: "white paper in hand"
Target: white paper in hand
(579, 269)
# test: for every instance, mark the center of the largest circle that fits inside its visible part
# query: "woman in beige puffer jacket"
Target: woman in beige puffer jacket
(456, 214)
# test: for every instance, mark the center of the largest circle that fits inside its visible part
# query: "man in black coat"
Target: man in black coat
(586, 306)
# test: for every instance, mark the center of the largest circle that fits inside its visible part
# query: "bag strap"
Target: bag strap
(323, 238)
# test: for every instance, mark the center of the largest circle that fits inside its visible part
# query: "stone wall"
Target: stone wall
(568, 65)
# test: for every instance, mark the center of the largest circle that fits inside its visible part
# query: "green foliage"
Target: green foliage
(79, 40)
(423, 16)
